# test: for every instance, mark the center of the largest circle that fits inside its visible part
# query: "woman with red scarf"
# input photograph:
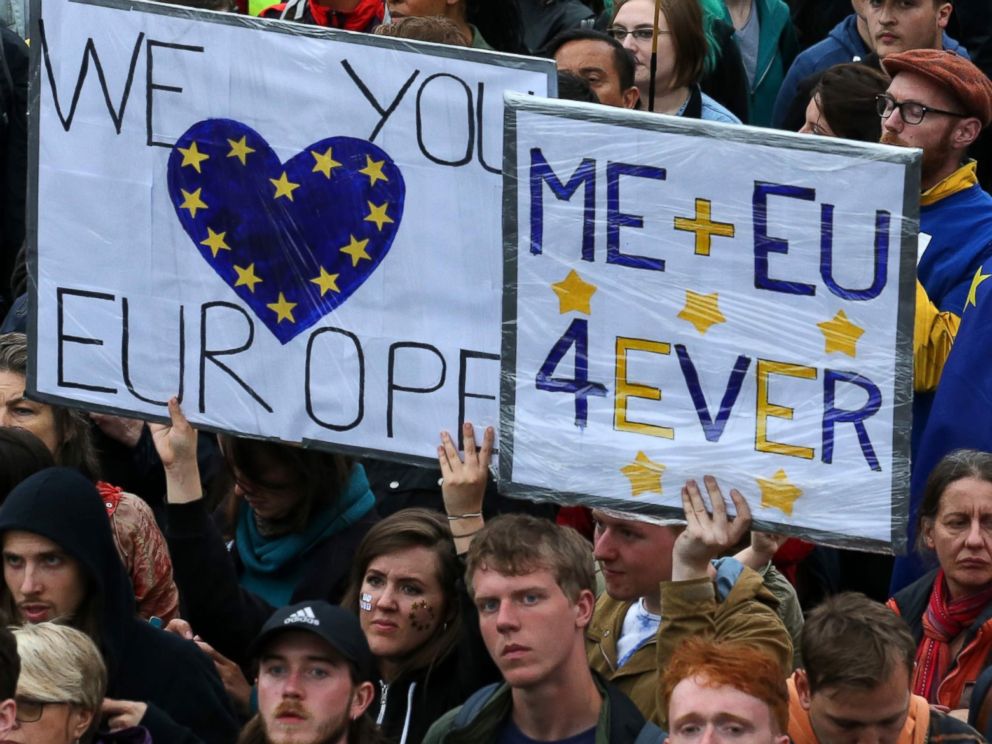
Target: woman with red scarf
(950, 609)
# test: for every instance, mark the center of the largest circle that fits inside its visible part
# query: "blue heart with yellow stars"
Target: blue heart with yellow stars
(294, 240)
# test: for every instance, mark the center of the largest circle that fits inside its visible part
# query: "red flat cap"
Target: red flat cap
(950, 71)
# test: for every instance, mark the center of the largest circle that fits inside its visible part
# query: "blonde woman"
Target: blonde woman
(60, 688)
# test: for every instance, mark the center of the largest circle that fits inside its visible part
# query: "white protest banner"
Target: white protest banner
(296, 229)
(685, 298)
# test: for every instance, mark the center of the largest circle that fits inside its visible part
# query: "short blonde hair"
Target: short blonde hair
(60, 664)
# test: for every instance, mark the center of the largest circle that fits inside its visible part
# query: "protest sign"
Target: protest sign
(296, 229)
(687, 298)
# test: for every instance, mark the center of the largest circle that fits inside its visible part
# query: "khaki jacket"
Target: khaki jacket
(688, 609)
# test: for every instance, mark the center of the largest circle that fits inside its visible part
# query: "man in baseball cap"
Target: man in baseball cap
(940, 102)
(314, 678)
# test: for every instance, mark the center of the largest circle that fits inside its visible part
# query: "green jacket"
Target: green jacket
(487, 710)
(777, 47)
(688, 609)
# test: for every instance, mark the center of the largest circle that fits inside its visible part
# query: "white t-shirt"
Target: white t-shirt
(639, 626)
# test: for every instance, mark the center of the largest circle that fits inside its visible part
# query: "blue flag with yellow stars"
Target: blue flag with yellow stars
(293, 240)
(961, 415)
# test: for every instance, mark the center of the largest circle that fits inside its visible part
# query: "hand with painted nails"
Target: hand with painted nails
(464, 484)
(707, 535)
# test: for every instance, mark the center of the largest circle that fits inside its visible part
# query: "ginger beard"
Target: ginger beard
(934, 156)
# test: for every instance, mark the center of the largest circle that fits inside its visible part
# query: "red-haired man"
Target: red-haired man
(724, 693)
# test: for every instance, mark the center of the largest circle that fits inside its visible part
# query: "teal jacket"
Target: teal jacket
(777, 47)
(480, 719)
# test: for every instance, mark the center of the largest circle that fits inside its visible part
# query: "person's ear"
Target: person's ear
(584, 606)
(966, 132)
(944, 15)
(802, 689)
(928, 533)
(630, 97)
(361, 700)
(79, 721)
(8, 711)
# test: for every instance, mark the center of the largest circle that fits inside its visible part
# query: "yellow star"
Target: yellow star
(192, 156)
(283, 309)
(192, 202)
(378, 214)
(356, 249)
(373, 169)
(215, 242)
(240, 149)
(840, 334)
(702, 310)
(574, 294)
(644, 475)
(284, 187)
(778, 493)
(975, 283)
(327, 281)
(324, 163)
(247, 277)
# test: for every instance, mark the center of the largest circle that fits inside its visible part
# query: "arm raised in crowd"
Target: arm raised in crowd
(223, 613)
(689, 604)
(464, 483)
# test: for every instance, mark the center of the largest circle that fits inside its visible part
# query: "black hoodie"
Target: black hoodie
(186, 701)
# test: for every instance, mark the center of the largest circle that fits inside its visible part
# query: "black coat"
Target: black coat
(186, 701)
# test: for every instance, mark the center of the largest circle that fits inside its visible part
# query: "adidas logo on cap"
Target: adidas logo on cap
(303, 615)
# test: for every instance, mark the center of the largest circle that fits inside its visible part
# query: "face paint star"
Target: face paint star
(779, 493)
(840, 335)
(356, 249)
(378, 214)
(192, 201)
(240, 149)
(574, 294)
(644, 475)
(215, 242)
(324, 163)
(247, 277)
(702, 310)
(326, 282)
(976, 282)
(192, 156)
(284, 187)
(283, 309)
(373, 169)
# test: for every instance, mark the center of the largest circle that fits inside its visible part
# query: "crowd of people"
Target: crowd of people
(164, 585)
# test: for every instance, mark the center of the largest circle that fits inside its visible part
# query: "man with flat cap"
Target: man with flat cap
(314, 679)
(940, 102)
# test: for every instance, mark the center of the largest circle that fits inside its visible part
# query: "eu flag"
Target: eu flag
(961, 415)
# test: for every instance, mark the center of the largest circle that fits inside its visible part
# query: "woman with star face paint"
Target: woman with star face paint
(407, 588)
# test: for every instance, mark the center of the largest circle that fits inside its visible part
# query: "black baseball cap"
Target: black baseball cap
(335, 625)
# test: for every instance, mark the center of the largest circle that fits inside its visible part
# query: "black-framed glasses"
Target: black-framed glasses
(641, 33)
(910, 111)
(29, 711)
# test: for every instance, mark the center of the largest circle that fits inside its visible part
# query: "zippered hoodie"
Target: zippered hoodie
(186, 701)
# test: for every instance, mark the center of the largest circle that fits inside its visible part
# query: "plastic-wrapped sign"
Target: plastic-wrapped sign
(296, 229)
(685, 298)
